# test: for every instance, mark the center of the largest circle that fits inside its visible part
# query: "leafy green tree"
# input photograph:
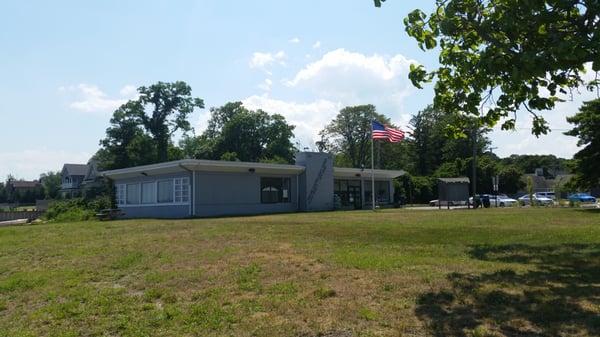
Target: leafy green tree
(237, 133)
(587, 127)
(431, 145)
(141, 130)
(350, 134)
(3, 196)
(550, 164)
(51, 182)
(162, 109)
(126, 144)
(510, 179)
(499, 56)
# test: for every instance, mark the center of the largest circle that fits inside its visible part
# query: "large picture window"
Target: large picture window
(165, 191)
(133, 194)
(149, 193)
(275, 190)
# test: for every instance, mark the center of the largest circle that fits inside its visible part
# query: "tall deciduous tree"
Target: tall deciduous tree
(126, 144)
(237, 133)
(163, 109)
(51, 182)
(141, 130)
(349, 134)
(500, 56)
(432, 146)
(587, 128)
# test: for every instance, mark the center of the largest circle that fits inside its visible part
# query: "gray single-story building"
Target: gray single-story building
(201, 188)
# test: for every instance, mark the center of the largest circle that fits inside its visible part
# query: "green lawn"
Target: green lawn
(500, 272)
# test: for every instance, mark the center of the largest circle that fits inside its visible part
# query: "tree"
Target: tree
(350, 134)
(587, 127)
(510, 179)
(525, 53)
(237, 133)
(126, 144)
(162, 109)
(431, 145)
(141, 130)
(51, 182)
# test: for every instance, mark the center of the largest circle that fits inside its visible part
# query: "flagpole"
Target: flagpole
(372, 170)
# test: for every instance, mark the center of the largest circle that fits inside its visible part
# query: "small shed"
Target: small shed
(453, 191)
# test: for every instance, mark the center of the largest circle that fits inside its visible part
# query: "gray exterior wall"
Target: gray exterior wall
(167, 211)
(316, 182)
(237, 193)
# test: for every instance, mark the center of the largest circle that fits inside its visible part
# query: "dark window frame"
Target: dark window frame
(275, 185)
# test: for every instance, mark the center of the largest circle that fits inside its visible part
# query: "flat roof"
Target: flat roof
(348, 172)
(184, 165)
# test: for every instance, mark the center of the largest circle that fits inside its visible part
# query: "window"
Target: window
(182, 189)
(133, 194)
(165, 191)
(120, 194)
(149, 193)
(275, 190)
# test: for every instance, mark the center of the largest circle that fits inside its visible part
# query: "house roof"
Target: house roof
(24, 184)
(201, 165)
(458, 180)
(75, 169)
(237, 166)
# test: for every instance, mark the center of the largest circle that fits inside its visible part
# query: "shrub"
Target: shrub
(76, 209)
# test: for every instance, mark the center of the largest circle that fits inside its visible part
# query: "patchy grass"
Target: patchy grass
(500, 272)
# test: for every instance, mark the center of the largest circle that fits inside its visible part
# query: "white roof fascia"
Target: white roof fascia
(201, 165)
(346, 172)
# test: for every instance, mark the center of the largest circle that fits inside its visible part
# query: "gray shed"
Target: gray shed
(453, 191)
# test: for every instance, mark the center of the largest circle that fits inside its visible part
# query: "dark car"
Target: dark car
(581, 197)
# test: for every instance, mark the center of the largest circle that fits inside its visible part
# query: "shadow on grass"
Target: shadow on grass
(558, 296)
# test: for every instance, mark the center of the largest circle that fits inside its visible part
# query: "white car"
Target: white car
(538, 200)
(503, 200)
(436, 202)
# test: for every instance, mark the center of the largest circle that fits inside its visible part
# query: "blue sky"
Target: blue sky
(66, 65)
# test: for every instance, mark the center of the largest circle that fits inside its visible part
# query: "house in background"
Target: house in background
(542, 183)
(23, 190)
(72, 177)
(200, 188)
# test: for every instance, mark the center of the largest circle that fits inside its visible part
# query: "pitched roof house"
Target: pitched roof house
(72, 178)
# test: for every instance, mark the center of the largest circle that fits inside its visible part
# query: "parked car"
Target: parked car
(503, 201)
(538, 200)
(436, 202)
(550, 195)
(581, 197)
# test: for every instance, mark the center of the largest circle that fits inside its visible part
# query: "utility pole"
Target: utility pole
(474, 174)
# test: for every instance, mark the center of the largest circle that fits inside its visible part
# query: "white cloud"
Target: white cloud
(262, 60)
(128, 91)
(29, 164)
(354, 78)
(266, 85)
(317, 45)
(294, 40)
(90, 98)
(309, 118)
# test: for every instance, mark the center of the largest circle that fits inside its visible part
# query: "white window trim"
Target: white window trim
(124, 203)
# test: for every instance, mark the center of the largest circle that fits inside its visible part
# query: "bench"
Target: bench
(109, 214)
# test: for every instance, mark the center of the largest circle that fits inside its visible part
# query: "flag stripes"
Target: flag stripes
(385, 132)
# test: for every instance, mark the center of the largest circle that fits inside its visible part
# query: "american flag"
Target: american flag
(384, 132)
